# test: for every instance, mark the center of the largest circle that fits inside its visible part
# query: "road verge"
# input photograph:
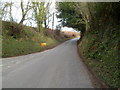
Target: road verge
(97, 82)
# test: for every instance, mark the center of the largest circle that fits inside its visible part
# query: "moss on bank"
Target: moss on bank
(101, 50)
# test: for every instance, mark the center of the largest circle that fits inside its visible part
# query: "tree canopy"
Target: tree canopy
(69, 16)
(85, 15)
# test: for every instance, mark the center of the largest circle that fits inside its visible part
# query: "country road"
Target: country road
(59, 67)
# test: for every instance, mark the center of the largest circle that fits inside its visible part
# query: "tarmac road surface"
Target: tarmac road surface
(60, 67)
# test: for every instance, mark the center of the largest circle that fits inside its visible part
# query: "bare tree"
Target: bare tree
(39, 13)
(53, 22)
(47, 14)
(6, 9)
(24, 10)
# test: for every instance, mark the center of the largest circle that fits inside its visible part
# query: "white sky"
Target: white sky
(17, 14)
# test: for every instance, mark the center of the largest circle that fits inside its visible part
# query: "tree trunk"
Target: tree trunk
(53, 22)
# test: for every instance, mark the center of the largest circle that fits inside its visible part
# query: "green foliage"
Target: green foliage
(13, 47)
(101, 42)
(107, 9)
(69, 16)
(29, 41)
(39, 14)
(102, 53)
(12, 29)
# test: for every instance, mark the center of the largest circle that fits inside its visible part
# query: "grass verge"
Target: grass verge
(101, 53)
(26, 41)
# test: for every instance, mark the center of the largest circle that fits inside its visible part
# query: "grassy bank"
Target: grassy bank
(101, 52)
(99, 24)
(21, 40)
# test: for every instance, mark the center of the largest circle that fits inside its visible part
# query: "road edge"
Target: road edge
(97, 82)
(47, 48)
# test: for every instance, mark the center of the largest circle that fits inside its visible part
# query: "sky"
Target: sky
(17, 14)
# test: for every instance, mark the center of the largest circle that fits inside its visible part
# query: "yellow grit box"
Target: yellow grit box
(43, 44)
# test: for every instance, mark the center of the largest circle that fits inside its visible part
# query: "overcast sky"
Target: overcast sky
(17, 14)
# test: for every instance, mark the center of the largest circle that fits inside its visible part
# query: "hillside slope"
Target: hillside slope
(20, 40)
(101, 51)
